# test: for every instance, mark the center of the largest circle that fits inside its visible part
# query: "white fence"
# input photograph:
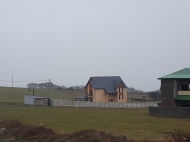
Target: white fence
(67, 103)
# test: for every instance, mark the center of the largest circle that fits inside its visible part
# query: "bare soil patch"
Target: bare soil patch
(14, 131)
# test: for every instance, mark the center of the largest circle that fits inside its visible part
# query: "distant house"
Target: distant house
(106, 89)
(175, 89)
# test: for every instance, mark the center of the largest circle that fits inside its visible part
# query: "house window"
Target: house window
(110, 100)
(120, 90)
(121, 97)
(184, 87)
(90, 92)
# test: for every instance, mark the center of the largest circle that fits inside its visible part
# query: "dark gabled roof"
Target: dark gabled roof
(109, 83)
(181, 74)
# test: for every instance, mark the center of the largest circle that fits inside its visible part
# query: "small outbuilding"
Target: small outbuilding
(36, 100)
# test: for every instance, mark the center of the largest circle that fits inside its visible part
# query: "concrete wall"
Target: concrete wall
(178, 112)
(28, 100)
(66, 103)
(43, 102)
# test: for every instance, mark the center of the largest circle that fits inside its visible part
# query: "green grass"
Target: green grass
(17, 94)
(132, 123)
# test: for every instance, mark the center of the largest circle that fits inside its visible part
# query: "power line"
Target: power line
(6, 80)
(24, 81)
(31, 81)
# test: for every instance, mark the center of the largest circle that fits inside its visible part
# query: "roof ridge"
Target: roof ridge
(177, 74)
(178, 71)
(105, 76)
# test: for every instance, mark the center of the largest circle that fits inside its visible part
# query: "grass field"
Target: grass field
(17, 94)
(132, 123)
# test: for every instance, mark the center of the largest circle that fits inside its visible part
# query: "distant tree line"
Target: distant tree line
(50, 85)
(155, 95)
(131, 90)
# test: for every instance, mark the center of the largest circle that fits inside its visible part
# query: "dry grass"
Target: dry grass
(17, 94)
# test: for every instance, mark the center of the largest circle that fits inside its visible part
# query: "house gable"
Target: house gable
(108, 83)
(106, 89)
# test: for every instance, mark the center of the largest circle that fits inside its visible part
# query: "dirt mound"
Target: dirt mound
(177, 136)
(91, 135)
(15, 131)
(18, 131)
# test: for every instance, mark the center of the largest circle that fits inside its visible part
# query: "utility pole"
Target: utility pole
(50, 88)
(158, 93)
(131, 90)
(33, 91)
(12, 81)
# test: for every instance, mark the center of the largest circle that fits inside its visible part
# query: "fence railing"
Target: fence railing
(67, 103)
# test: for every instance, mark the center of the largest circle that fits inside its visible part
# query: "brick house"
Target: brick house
(175, 89)
(106, 89)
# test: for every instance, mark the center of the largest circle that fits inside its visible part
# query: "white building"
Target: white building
(36, 100)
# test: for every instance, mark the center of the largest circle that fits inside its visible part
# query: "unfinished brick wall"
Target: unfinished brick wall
(167, 89)
(179, 112)
(168, 103)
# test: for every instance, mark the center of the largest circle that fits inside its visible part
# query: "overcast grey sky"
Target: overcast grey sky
(70, 41)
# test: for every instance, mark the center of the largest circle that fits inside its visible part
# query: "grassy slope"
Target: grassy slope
(16, 95)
